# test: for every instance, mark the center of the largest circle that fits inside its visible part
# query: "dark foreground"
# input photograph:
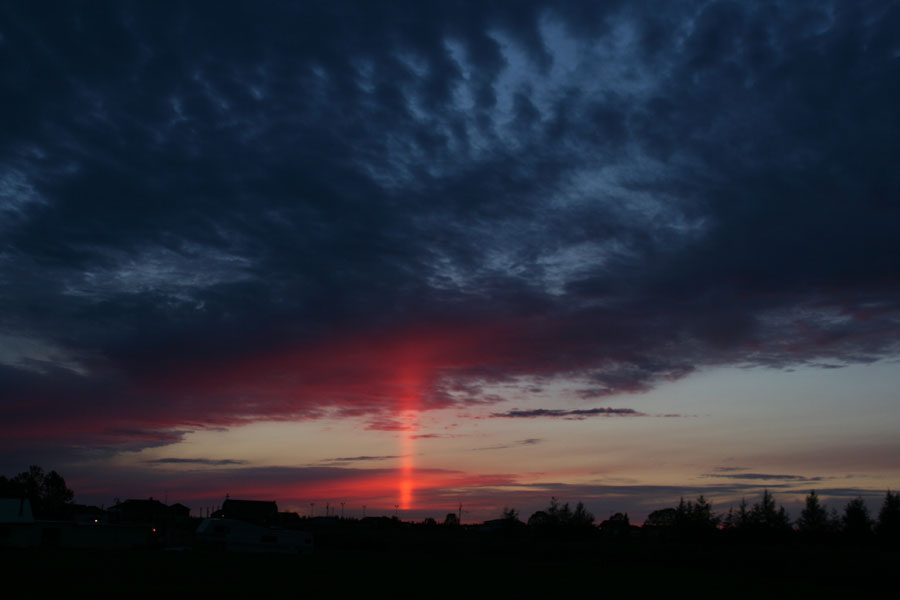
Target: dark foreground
(531, 572)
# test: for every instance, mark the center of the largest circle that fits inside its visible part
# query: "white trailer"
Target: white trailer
(237, 536)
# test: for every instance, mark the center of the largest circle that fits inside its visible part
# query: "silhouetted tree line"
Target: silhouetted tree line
(690, 520)
(764, 521)
(559, 520)
(47, 492)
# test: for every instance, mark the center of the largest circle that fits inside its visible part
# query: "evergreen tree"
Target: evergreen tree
(766, 521)
(814, 520)
(764, 515)
(695, 519)
(561, 519)
(888, 526)
(738, 520)
(856, 522)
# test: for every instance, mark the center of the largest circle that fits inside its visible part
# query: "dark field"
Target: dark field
(702, 572)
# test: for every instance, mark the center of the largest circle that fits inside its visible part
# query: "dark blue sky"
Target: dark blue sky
(620, 194)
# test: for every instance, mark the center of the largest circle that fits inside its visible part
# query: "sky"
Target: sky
(401, 257)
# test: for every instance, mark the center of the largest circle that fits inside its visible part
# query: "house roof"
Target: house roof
(134, 505)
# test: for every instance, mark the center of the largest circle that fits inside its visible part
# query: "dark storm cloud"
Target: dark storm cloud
(206, 462)
(576, 414)
(763, 476)
(730, 469)
(632, 191)
(362, 458)
(515, 444)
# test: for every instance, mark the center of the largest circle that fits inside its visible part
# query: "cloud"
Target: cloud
(387, 424)
(217, 224)
(362, 458)
(763, 476)
(211, 462)
(575, 414)
(515, 444)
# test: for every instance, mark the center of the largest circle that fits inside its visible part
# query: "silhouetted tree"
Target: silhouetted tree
(664, 517)
(582, 518)
(764, 521)
(509, 521)
(815, 522)
(540, 519)
(561, 519)
(558, 514)
(660, 524)
(510, 514)
(737, 520)
(452, 519)
(888, 527)
(617, 525)
(768, 520)
(856, 523)
(47, 492)
(695, 519)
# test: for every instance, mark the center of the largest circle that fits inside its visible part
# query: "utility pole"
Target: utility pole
(342, 511)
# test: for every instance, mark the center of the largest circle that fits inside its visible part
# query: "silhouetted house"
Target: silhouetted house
(289, 520)
(82, 529)
(249, 511)
(500, 525)
(180, 511)
(145, 512)
(148, 512)
(168, 525)
(81, 513)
